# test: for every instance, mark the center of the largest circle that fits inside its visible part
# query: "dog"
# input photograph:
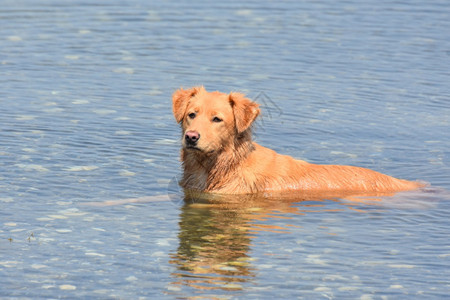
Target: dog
(219, 156)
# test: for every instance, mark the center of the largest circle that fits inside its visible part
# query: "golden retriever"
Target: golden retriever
(219, 156)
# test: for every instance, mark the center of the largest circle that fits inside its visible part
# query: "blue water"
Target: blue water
(85, 118)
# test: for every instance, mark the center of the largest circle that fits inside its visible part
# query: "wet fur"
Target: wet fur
(226, 160)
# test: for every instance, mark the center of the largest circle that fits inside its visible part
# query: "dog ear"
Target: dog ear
(245, 111)
(180, 100)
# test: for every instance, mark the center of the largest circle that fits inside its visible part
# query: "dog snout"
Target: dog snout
(191, 137)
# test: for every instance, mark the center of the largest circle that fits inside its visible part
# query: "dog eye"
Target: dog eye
(191, 115)
(217, 120)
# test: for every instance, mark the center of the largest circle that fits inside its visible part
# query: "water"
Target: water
(86, 118)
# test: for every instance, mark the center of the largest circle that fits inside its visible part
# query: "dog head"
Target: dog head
(211, 120)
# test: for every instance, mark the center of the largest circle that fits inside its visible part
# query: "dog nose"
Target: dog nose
(192, 136)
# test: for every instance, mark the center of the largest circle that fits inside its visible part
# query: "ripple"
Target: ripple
(14, 38)
(81, 168)
(67, 287)
(32, 167)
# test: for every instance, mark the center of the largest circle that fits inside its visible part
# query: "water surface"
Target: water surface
(85, 95)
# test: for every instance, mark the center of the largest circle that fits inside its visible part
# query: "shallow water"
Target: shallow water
(85, 118)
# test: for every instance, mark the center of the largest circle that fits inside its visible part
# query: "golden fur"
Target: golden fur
(219, 156)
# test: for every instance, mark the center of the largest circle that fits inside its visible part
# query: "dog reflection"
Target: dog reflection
(213, 248)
